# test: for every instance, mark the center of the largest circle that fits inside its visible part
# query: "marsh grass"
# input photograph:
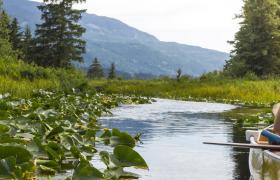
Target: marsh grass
(239, 91)
(21, 79)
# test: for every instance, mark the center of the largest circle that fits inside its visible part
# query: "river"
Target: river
(173, 132)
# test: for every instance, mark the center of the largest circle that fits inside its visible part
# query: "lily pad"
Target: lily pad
(129, 158)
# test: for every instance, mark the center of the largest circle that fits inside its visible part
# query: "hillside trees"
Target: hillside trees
(178, 74)
(27, 45)
(95, 70)
(5, 46)
(15, 35)
(4, 26)
(58, 39)
(257, 44)
(112, 72)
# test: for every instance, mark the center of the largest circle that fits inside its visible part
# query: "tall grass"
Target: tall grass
(21, 79)
(257, 92)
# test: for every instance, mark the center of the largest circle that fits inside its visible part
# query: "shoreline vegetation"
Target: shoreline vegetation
(49, 110)
(254, 97)
(251, 93)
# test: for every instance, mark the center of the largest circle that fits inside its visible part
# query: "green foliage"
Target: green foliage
(112, 72)
(27, 46)
(212, 76)
(59, 132)
(256, 45)
(179, 74)
(95, 70)
(211, 88)
(127, 157)
(5, 46)
(58, 39)
(20, 79)
(15, 35)
(251, 116)
(251, 76)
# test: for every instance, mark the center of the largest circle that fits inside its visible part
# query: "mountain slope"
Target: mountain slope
(132, 50)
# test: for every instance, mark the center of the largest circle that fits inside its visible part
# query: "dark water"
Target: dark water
(173, 132)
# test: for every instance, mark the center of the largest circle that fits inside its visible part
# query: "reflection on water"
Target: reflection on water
(173, 132)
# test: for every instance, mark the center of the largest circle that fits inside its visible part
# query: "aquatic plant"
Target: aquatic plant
(52, 134)
(261, 93)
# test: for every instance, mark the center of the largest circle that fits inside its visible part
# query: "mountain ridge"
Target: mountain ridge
(132, 50)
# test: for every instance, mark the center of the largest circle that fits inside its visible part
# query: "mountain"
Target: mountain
(133, 51)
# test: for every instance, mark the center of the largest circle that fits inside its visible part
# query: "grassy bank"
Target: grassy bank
(248, 92)
(21, 79)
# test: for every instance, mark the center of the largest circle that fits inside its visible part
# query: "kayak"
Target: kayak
(263, 164)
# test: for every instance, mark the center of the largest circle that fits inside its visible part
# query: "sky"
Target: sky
(205, 23)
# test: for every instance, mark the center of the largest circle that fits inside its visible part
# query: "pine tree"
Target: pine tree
(15, 35)
(58, 38)
(27, 45)
(257, 44)
(5, 46)
(112, 72)
(178, 74)
(95, 70)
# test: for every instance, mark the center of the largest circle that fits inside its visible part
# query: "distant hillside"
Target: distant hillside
(132, 50)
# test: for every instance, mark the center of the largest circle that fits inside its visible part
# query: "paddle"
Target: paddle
(243, 145)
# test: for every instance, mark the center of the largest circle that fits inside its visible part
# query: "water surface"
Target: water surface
(173, 132)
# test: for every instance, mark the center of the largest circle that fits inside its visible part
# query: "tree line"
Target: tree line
(257, 43)
(96, 71)
(57, 41)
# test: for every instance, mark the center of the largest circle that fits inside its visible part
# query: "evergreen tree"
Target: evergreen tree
(27, 45)
(112, 72)
(5, 46)
(15, 35)
(257, 44)
(95, 70)
(179, 74)
(58, 38)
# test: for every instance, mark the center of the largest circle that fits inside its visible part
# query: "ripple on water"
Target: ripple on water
(173, 132)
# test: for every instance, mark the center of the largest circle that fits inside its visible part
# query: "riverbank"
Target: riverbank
(258, 93)
(255, 97)
(21, 79)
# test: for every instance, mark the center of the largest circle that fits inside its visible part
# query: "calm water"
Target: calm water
(173, 132)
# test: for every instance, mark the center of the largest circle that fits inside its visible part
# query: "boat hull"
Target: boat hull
(263, 164)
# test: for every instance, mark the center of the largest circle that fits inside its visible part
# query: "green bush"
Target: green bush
(21, 79)
(251, 76)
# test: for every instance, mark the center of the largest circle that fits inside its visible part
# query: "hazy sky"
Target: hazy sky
(205, 23)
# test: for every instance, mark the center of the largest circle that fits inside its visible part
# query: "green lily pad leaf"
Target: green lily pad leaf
(48, 163)
(47, 170)
(4, 128)
(129, 158)
(75, 152)
(21, 154)
(55, 131)
(105, 157)
(5, 138)
(7, 165)
(119, 173)
(10, 168)
(67, 141)
(106, 134)
(85, 171)
(4, 115)
(52, 153)
(121, 138)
